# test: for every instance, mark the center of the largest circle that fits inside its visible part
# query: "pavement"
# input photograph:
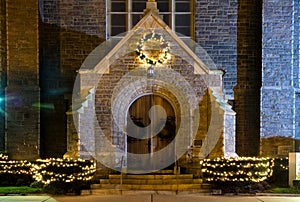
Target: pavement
(151, 198)
(33, 198)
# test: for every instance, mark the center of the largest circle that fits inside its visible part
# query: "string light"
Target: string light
(45, 171)
(69, 170)
(3, 157)
(242, 169)
(51, 170)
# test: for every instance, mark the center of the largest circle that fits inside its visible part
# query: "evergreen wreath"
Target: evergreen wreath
(164, 48)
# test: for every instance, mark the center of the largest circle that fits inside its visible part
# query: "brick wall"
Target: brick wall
(22, 92)
(216, 32)
(280, 68)
(70, 30)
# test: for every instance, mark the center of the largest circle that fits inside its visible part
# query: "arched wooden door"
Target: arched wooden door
(139, 114)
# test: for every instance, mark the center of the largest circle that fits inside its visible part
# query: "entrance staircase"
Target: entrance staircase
(160, 182)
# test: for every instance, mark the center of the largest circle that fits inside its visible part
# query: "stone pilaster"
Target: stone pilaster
(2, 72)
(72, 136)
(247, 90)
(22, 92)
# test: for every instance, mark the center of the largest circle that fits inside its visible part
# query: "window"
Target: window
(122, 15)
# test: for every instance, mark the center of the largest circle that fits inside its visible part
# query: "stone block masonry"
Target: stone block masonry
(297, 122)
(43, 43)
(22, 91)
(216, 32)
(69, 31)
(247, 90)
(229, 30)
(2, 72)
(280, 76)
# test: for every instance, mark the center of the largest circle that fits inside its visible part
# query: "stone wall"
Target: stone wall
(22, 92)
(70, 30)
(122, 64)
(296, 72)
(297, 122)
(229, 30)
(216, 32)
(247, 90)
(2, 72)
(280, 76)
(110, 82)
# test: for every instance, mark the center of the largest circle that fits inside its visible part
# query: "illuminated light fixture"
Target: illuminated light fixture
(150, 71)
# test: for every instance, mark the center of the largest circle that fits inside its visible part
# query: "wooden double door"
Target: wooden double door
(158, 138)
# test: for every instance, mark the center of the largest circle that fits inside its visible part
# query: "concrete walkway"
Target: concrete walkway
(178, 198)
(151, 198)
(35, 198)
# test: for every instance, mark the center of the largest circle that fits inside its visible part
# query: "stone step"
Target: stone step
(139, 192)
(98, 174)
(105, 192)
(161, 187)
(163, 182)
(163, 172)
(151, 181)
(152, 177)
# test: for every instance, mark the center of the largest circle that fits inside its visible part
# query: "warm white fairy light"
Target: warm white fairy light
(84, 173)
(50, 170)
(243, 169)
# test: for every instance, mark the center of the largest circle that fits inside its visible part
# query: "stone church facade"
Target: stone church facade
(152, 70)
(44, 43)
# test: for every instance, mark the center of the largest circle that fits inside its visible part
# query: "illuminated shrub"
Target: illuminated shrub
(238, 174)
(63, 175)
(14, 172)
(244, 169)
(55, 175)
(280, 177)
(63, 170)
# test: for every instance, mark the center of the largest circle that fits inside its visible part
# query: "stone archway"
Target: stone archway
(184, 104)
